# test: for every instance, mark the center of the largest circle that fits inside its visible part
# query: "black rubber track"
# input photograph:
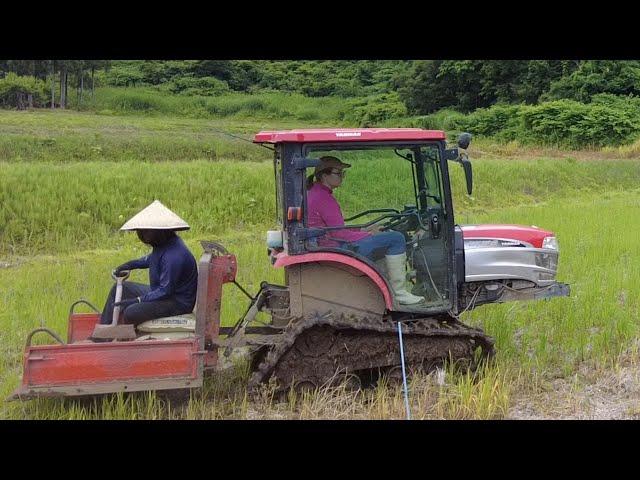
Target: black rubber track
(316, 350)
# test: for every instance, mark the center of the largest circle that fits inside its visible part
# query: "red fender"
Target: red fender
(284, 260)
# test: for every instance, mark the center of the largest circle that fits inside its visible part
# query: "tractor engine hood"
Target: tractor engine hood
(527, 236)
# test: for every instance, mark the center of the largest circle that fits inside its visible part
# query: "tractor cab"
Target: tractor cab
(398, 181)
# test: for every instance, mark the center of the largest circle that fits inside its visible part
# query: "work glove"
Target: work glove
(117, 270)
(125, 303)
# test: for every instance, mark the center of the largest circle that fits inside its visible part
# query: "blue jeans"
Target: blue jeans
(393, 243)
(140, 312)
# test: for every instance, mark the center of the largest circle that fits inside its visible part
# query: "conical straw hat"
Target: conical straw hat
(156, 217)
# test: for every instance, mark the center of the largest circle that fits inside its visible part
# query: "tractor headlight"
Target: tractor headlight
(547, 260)
(550, 243)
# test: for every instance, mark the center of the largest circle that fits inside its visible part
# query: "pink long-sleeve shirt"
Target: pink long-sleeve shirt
(323, 210)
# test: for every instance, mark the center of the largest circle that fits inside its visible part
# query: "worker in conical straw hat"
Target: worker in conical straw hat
(173, 272)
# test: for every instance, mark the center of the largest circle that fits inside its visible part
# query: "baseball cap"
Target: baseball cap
(331, 162)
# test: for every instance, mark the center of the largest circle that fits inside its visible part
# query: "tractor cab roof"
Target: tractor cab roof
(348, 135)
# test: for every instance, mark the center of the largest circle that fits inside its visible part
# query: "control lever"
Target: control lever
(434, 224)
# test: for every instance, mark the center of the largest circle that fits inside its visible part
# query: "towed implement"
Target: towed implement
(336, 314)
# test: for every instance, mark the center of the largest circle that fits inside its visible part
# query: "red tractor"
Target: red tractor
(336, 314)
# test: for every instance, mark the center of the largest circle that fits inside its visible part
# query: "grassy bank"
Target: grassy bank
(62, 137)
(231, 105)
(81, 205)
(71, 136)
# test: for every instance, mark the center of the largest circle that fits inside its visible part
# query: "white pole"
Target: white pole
(404, 374)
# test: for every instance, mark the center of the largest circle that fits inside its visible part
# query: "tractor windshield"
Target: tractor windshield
(381, 185)
(376, 179)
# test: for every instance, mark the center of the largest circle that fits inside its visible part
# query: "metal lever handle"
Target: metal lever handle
(116, 310)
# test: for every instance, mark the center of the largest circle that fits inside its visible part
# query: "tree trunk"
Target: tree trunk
(53, 87)
(63, 88)
(81, 84)
(30, 100)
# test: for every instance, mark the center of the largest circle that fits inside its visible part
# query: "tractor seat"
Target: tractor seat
(168, 328)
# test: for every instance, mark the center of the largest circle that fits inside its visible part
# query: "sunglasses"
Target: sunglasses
(340, 173)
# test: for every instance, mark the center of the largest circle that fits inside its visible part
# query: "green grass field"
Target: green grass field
(59, 240)
(232, 106)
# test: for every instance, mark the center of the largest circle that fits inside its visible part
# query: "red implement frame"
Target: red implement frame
(81, 367)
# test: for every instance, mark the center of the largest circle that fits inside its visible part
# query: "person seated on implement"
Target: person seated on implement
(173, 271)
(323, 210)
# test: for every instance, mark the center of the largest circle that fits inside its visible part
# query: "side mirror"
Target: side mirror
(462, 158)
(464, 140)
(468, 172)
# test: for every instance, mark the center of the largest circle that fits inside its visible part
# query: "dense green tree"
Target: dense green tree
(423, 86)
(470, 84)
(93, 66)
(125, 73)
(54, 71)
(238, 74)
(25, 68)
(22, 91)
(433, 84)
(311, 78)
(592, 77)
(538, 77)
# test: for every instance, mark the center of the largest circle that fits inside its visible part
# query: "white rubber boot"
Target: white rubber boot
(396, 268)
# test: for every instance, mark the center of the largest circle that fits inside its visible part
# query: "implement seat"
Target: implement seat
(168, 328)
(175, 327)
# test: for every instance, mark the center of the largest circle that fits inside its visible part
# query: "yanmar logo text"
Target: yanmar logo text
(510, 243)
(348, 134)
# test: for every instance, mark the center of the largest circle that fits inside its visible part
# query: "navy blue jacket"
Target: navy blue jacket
(173, 273)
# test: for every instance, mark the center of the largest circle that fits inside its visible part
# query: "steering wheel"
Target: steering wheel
(402, 225)
(392, 224)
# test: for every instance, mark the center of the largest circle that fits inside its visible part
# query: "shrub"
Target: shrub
(203, 86)
(373, 110)
(15, 91)
(626, 103)
(593, 77)
(445, 119)
(566, 122)
(608, 120)
(499, 119)
(124, 74)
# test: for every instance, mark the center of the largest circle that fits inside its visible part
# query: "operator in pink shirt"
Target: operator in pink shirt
(323, 210)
